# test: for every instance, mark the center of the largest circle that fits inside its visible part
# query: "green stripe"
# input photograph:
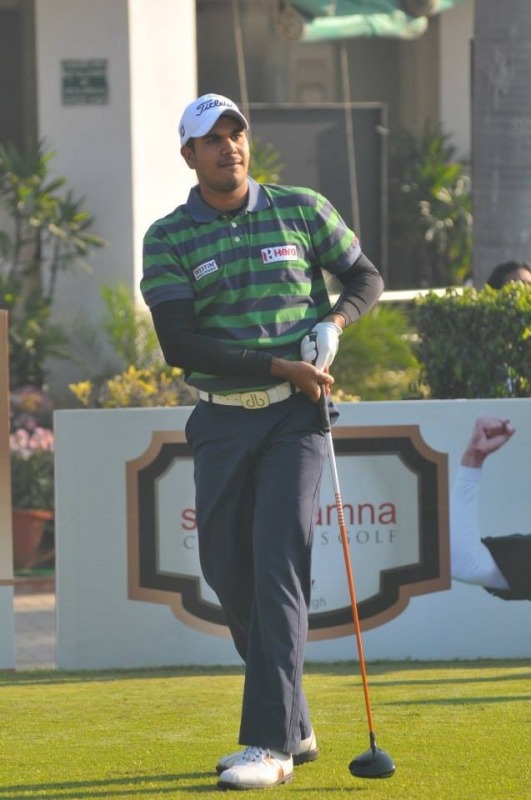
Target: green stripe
(294, 314)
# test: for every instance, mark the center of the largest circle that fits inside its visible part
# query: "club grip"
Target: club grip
(323, 402)
(325, 414)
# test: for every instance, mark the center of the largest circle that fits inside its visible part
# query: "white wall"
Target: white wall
(456, 32)
(123, 157)
(163, 62)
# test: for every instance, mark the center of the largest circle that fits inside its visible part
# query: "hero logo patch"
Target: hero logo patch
(204, 269)
(282, 252)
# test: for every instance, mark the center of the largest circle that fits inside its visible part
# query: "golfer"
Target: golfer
(501, 564)
(234, 281)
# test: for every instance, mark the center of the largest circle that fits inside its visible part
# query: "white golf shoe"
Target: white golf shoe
(258, 768)
(308, 751)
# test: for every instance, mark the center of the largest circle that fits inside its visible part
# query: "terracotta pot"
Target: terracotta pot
(28, 530)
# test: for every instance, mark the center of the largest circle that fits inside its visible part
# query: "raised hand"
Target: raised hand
(488, 435)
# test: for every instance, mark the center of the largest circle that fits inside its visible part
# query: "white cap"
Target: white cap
(201, 115)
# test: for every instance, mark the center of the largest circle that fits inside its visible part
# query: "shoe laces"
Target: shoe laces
(254, 754)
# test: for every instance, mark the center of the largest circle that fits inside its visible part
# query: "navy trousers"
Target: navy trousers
(257, 477)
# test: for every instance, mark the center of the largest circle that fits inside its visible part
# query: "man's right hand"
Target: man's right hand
(304, 376)
(489, 434)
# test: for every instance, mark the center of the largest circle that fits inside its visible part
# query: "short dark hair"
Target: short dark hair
(499, 275)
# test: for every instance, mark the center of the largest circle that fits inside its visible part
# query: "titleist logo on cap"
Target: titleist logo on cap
(206, 105)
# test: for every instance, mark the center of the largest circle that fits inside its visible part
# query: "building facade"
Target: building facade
(102, 84)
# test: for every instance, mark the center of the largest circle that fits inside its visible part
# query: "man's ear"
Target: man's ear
(188, 155)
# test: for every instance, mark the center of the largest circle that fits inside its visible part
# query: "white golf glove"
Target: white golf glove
(319, 347)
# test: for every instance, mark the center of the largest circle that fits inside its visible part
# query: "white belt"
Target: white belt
(252, 400)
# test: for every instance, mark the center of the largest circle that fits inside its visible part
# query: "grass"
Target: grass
(456, 731)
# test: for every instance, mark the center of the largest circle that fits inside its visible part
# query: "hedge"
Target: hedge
(476, 343)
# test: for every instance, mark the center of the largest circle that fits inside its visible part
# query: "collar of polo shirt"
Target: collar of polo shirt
(201, 212)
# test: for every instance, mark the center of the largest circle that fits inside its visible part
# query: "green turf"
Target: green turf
(456, 731)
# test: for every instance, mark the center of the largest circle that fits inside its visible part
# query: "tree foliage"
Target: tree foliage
(430, 210)
(47, 232)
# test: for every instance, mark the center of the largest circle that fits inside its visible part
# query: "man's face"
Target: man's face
(522, 275)
(220, 158)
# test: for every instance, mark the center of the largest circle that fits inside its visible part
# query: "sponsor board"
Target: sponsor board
(395, 504)
(129, 589)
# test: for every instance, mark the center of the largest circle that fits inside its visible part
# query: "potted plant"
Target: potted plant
(430, 209)
(32, 491)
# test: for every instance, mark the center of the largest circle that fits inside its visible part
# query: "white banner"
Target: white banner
(129, 588)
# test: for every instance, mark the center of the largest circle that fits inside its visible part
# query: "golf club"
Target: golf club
(373, 763)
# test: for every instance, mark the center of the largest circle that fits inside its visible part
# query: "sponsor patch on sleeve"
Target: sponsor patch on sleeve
(204, 269)
(281, 252)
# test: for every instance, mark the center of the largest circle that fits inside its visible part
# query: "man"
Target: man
(501, 564)
(234, 282)
(509, 271)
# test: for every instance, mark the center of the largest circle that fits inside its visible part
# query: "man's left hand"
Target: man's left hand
(320, 346)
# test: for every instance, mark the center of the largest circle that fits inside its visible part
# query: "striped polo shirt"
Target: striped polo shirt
(255, 277)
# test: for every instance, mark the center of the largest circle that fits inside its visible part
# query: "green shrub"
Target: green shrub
(123, 336)
(33, 337)
(375, 360)
(475, 343)
(129, 328)
(135, 374)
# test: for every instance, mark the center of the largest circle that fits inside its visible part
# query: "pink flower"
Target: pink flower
(25, 444)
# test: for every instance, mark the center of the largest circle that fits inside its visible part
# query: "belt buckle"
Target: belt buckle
(254, 400)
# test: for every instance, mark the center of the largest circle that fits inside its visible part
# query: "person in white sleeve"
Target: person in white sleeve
(500, 564)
